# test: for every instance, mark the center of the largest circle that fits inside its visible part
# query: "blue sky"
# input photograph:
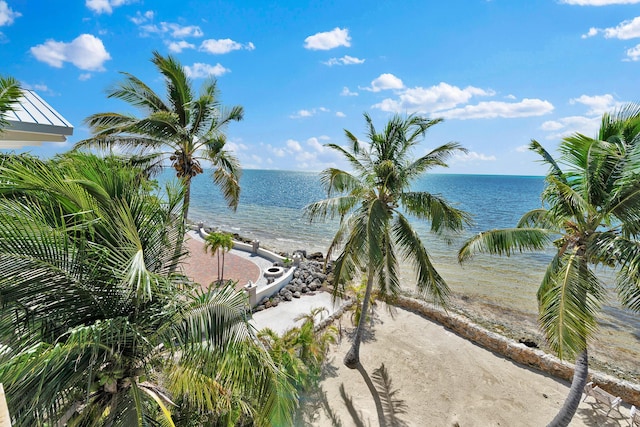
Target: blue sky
(500, 72)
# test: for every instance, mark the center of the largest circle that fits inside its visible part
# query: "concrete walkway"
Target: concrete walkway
(282, 317)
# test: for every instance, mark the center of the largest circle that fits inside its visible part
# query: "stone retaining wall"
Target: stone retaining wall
(535, 358)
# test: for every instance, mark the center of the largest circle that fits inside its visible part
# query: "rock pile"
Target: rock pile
(308, 278)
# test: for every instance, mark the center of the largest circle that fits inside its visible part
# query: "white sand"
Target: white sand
(444, 380)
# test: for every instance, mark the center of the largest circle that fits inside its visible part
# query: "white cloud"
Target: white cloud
(592, 32)
(384, 82)
(566, 126)
(340, 114)
(551, 125)
(626, 30)
(432, 99)
(301, 113)
(308, 113)
(493, 109)
(347, 92)
(7, 15)
(222, 46)
(598, 2)
(471, 156)
(40, 87)
(599, 104)
(200, 70)
(236, 147)
(141, 18)
(84, 76)
(105, 6)
(174, 30)
(345, 60)
(85, 52)
(294, 145)
(328, 40)
(522, 148)
(634, 53)
(179, 46)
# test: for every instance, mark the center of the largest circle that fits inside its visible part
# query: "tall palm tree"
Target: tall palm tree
(372, 203)
(591, 212)
(184, 129)
(94, 327)
(217, 243)
(9, 93)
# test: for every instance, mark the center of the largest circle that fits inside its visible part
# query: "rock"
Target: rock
(304, 289)
(288, 296)
(275, 302)
(321, 277)
(297, 294)
(268, 304)
(528, 342)
(259, 308)
(316, 256)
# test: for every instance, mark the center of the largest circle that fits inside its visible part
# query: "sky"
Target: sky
(499, 72)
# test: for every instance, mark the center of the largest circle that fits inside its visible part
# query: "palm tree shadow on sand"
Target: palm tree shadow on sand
(388, 406)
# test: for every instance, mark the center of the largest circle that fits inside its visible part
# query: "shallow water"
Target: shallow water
(501, 288)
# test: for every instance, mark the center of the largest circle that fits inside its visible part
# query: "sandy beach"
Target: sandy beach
(445, 380)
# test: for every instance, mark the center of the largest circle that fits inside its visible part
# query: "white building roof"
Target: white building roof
(33, 122)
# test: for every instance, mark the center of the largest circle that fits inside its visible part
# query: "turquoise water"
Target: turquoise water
(271, 210)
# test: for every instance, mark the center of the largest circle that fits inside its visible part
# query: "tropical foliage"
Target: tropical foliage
(301, 350)
(373, 203)
(9, 93)
(185, 129)
(591, 214)
(94, 327)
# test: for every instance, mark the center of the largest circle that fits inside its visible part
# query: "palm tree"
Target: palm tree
(9, 93)
(592, 210)
(184, 129)
(218, 243)
(372, 203)
(94, 327)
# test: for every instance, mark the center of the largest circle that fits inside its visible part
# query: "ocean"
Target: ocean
(501, 290)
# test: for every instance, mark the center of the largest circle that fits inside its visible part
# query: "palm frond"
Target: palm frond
(430, 283)
(435, 208)
(504, 242)
(179, 91)
(554, 169)
(10, 92)
(569, 299)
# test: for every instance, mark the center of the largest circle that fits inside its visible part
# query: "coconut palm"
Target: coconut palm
(591, 211)
(94, 328)
(9, 93)
(184, 129)
(373, 202)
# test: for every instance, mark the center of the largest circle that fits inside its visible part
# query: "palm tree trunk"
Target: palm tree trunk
(352, 358)
(187, 199)
(218, 280)
(570, 406)
(222, 275)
